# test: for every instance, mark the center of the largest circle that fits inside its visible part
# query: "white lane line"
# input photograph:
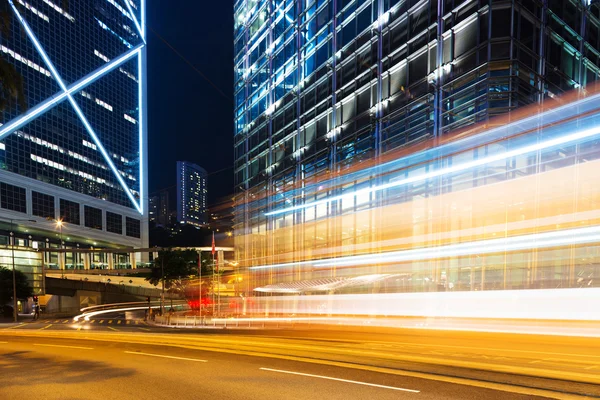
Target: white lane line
(68, 347)
(341, 380)
(161, 356)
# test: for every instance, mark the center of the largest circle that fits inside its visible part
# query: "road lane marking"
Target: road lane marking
(162, 356)
(111, 328)
(57, 321)
(65, 321)
(92, 321)
(110, 321)
(101, 321)
(17, 326)
(60, 345)
(144, 329)
(119, 322)
(341, 380)
(46, 327)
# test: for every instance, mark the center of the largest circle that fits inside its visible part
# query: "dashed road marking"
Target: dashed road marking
(162, 356)
(111, 328)
(46, 327)
(341, 380)
(60, 345)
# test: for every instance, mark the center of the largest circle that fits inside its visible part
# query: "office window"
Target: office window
(13, 198)
(114, 223)
(42, 205)
(93, 217)
(69, 211)
(132, 227)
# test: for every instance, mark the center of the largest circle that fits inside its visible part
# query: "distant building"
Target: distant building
(153, 203)
(162, 217)
(191, 194)
(158, 208)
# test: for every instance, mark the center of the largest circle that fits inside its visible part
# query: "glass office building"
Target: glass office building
(73, 133)
(192, 189)
(325, 86)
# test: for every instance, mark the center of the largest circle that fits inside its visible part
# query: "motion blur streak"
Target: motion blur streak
(87, 315)
(504, 223)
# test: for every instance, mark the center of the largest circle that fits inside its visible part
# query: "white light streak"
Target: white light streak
(538, 240)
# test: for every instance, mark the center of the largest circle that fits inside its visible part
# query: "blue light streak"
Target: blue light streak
(456, 168)
(75, 106)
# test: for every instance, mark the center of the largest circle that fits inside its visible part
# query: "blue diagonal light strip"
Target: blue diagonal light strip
(141, 130)
(137, 25)
(59, 97)
(82, 117)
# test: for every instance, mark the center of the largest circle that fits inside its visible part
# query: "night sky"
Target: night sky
(188, 119)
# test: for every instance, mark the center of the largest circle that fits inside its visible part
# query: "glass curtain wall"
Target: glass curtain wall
(322, 87)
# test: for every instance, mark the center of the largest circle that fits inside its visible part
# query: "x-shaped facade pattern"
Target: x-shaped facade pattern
(67, 92)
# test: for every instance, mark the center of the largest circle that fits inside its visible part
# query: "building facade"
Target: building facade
(192, 189)
(158, 207)
(73, 138)
(322, 87)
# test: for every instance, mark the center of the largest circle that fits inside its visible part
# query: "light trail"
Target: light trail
(523, 242)
(583, 134)
(87, 315)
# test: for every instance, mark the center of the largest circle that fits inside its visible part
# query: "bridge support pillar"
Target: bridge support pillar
(111, 261)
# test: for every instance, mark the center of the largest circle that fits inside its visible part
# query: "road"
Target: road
(56, 360)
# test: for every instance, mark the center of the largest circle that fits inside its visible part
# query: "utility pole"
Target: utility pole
(162, 274)
(200, 284)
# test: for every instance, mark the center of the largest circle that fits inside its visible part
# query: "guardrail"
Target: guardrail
(192, 321)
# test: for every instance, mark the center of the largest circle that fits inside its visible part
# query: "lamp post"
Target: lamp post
(59, 224)
(14, 275)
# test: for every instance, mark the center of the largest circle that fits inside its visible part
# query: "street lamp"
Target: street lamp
(59, 225)
(14, 276)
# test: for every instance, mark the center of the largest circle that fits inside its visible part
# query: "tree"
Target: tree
(11, 81)
(177, 265)
(24, 290)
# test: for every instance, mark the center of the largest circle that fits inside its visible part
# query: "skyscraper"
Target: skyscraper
(322, 86)
(73, 139)
(191, 194)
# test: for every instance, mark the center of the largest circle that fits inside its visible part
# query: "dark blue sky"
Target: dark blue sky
(188, 119)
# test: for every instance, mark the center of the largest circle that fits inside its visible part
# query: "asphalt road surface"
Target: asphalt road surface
(66, 360)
